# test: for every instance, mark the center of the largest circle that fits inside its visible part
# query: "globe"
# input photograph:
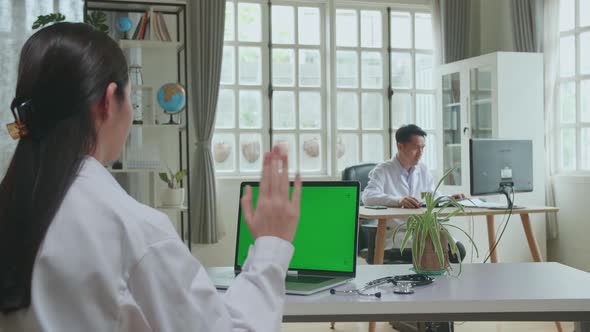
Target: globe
(124, 24)
(172, 98)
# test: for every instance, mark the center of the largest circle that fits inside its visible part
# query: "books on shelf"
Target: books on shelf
(159, 28)
(151, 26)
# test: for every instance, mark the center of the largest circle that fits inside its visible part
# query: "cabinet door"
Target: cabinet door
(480, 103)
(451, 111)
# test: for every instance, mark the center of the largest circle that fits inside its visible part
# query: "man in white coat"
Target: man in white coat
(399, 183)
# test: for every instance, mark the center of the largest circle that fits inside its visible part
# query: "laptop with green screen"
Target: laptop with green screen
(326, 238)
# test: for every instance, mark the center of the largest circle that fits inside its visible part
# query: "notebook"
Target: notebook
(325, 242)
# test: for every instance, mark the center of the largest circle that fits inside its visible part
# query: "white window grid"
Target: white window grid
(235, 133)
(430, 154)
(361, 134)
(297, 132)
(581, 153)
(329, 141)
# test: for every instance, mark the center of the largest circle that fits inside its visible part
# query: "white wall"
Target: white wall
(572, 246)
(222, 253)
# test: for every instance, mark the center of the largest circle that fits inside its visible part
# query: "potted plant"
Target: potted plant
(173, 195)
(430, 234)
(96, 19)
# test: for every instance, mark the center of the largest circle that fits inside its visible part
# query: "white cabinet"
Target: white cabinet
(498, 95)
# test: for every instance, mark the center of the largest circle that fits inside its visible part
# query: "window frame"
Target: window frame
(296, 89)
(577, 79)
(414, 91)
(236, 87)
(328, 61)
(359, 90)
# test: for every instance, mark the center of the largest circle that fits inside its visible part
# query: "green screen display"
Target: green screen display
(326, 235)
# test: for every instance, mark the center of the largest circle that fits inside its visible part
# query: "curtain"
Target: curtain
(206, 49)
(551, 72)
(437, 31)
(524, 23)
(16, 19)
(451, 22)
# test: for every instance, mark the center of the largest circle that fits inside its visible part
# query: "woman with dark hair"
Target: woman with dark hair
(79, 254)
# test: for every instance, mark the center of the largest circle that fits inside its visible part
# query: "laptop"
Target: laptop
(325, 242)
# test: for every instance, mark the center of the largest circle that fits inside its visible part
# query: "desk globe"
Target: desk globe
(124, 24)
(172, 99)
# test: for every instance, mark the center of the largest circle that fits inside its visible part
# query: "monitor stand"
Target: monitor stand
(507, 189)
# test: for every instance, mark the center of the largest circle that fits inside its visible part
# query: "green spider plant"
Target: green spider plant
(432, 224)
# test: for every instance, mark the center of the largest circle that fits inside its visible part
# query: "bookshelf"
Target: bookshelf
(155, 49)
(150, 44)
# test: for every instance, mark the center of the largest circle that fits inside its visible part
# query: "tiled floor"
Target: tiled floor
(459, 327)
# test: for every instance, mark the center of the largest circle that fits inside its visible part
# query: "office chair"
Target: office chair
(367, 232)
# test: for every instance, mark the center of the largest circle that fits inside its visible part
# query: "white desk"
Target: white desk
(483, 292)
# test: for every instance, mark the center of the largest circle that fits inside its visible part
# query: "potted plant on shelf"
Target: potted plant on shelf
(430, 234)
(96, 19)
(173, 195)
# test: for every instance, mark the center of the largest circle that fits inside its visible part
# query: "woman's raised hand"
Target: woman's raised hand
(275, 214)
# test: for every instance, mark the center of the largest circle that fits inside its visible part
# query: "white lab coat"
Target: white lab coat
(389, 182)
(109, 263)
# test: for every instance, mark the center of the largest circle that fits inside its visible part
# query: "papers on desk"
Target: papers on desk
(479, 203)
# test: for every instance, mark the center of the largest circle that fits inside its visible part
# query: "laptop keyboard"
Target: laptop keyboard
(307, 279)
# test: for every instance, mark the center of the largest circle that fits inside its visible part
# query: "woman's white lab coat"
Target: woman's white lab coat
(109, 263)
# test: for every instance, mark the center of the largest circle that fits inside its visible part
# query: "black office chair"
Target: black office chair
(367, 232)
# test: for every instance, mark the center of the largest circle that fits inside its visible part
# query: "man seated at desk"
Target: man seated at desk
(399, 183)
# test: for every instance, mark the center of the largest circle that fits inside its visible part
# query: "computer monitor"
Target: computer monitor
(500, 166)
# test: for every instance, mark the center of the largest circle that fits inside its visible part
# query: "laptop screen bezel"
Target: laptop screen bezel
(238, 268)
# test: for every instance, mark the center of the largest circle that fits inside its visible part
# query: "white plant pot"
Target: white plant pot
(173, 197)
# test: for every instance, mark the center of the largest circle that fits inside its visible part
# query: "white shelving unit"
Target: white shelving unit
(498, 95)
(153, 146)
(150, 44)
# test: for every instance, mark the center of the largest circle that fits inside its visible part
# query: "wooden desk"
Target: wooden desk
(390, 213)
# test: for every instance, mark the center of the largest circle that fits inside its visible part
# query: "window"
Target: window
(573, 108)
(412, 77)
(298, 88)
(240, 122)
(360, 89)
(328, 106)
(16, 19)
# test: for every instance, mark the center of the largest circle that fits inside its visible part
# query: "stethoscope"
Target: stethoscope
(410, 280)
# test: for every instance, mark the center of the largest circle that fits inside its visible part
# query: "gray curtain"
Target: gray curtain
(551, 68)
(524, 23)
(452, 18)
(206, 48)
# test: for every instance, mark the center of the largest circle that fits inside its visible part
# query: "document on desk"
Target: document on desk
(479, 203)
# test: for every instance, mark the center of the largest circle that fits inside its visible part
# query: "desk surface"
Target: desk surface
(365, 213)
(505, 291)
